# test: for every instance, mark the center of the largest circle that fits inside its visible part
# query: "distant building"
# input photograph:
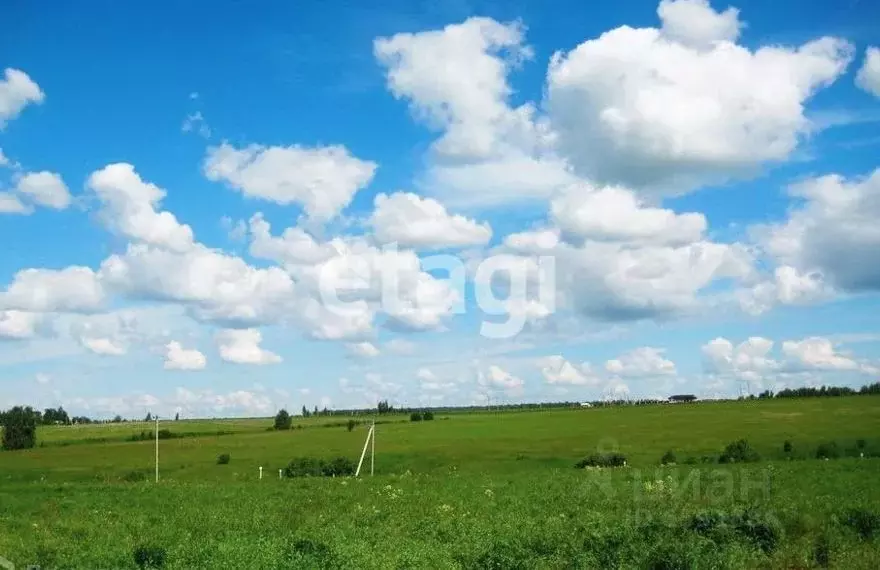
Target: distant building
(682, 398)
(586, 405)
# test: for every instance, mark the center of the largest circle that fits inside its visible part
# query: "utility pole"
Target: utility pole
(157, 449)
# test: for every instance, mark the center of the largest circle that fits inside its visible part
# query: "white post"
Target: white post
(279, 473)
(373, 448)
(157, 449)
(364, 452)
(261, 471)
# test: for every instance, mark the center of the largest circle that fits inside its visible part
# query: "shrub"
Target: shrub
(19, 428)
(135, 476)
(311, 554)
(668, 458)
(283, 420)
(828, 450)
(149, 556)
(758, 528)
(822, 552)
(600, 460)
(787, 447)
(864, 522)
(313, 467)
(861, 444)
(739, 452)
(415, 417)
(338, 467)
(223, 459)
(428, 415)
(350, 425)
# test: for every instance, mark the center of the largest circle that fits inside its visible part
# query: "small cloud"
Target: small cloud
(195, 122)
(194, 95)
(42, 379)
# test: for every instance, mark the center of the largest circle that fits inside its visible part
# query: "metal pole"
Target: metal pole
(157, 449)
(373, 449)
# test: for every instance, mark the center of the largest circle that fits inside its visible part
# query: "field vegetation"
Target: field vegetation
(764, 483)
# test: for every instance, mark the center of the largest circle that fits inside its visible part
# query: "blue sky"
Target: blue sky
(703, 176)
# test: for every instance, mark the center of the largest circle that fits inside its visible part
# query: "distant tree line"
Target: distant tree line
(48, 417)
(821, 392)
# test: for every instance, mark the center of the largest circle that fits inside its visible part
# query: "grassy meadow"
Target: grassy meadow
(467, 490)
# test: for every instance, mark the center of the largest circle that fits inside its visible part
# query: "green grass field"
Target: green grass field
(475, 490)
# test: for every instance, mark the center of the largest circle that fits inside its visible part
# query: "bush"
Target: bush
(338, 467)
(861, 444)
(283, 420)
(313, 467)
(758, 528)
(787, 447)
(149, 556)
(135, 476)
(600, 460)
(223, 459)
(350, 425)
(864, 522)
(668, 458)
(828, 450)
(428, 415)
(19, 428)
(415, 417)
(739, 452)
(822, 552)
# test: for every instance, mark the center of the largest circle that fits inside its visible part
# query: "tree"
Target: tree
(383, 407)
(306, 412)
(19, 428)
(316, 411)
(149, 417)
(177, 416)
(52, 416)
(117, 419)
(283, 420)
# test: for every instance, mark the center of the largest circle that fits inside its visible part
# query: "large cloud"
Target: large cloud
(833, 233)
(74, 289)
(17, 91)
(672, 107)
(868, 77)
(323, 179)
(129, 208)
(617, 214)
(489, 151)
(424, 223)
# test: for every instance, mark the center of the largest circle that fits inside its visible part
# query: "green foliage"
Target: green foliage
(415, 417)
(151, 435)
(822, 551)
(668, 458)
(283, 420)
(223, 459)
(314, 467)
(602, 460)
(759, 528)
(828, 450)
(383, 407)
(739, 452)
(866, 523)
(786, 446)
(427, 415)
(19, 428)
(147, 556)
(350, 425)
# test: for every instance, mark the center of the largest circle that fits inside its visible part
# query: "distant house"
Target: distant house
(682, 398)
(586, 405)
